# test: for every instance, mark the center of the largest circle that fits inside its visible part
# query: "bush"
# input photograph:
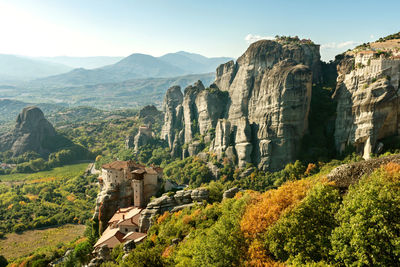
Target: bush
(369, 223)
(304, 234)
(82, 252)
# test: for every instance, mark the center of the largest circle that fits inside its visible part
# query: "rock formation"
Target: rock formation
(368, 101)
(149, 114)
(181, 199)
(255, 112)
(143, 137)
(111, 199)
(32, 132)
(173, 115)
(348, 174)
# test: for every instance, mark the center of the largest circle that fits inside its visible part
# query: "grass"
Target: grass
(17, 245)
(68, 171)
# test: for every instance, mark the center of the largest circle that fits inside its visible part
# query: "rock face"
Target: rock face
(143, 137)
(230, 193)
(181, 199)
(255, 112)
(103, 255)
(348, 174)
(149, 114)
(32, 132)
(368, 102)
(111, 199)
(173, 119)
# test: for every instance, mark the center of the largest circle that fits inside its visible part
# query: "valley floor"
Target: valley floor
(67, 171)
(18, 245)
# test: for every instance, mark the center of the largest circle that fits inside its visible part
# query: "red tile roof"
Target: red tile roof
(109, 233)
(134, 236)
(126, 214)
(119, 165)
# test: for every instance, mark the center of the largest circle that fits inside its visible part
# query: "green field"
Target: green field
(18, 245)
(68, 171)
(46, 199)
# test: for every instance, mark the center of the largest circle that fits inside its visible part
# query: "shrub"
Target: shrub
(304, 234)
(267, 208)
(369, 222)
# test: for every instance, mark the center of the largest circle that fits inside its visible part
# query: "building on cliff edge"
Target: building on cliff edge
(122, 227)
(143, 180)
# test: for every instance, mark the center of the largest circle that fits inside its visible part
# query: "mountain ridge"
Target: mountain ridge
(137, 66)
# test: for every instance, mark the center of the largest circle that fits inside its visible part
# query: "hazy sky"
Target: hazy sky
(208, 27)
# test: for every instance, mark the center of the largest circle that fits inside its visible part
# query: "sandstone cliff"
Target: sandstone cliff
(32, 132)
(256, 110)
(367, 93)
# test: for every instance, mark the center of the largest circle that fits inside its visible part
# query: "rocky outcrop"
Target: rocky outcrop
(349, 174)
(149, 114)
(143, 137)
(110, 200)
(368, 102)
(181, 199)
(129, 142)
(101, 256)
(256, 111)
(173, 119)
(32, 132)
(230, 193)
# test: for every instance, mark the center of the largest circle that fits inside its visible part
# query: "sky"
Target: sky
(209, 27)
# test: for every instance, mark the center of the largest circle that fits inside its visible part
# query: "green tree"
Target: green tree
(369, 223)
(303, 235)
(219, 245)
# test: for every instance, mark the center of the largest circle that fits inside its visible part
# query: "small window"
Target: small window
(126, 230)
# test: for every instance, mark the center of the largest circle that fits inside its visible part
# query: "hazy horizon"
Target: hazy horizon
(214, 29)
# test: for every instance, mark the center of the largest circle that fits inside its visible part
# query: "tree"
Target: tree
(303, 235)
(219, 245)
(369, 222)
(82, 251)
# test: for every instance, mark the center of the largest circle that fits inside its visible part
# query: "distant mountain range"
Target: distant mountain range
(131, 82)
(72, 71)
(137, 66)
(17, 68)
(82, 62)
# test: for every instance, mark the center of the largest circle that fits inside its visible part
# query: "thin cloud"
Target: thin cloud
(347, 44)
(251, 38)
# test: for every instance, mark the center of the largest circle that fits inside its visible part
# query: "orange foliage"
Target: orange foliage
(187, 219)
(167, 252)
(10, 206)
(153, 238)
(163, 217)
(238, 195)
(32, 197)
(310, 168)
(257, 256)
(196, 213)
(71, 197)
(393, 170)
(267, 208)
(178, 214)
